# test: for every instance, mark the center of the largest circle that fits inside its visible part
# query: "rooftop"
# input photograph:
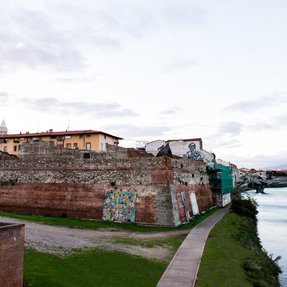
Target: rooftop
(52, 133)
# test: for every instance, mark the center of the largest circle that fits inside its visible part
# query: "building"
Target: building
(221, 182)
(188, 148)
(80, 139)
(235, 174)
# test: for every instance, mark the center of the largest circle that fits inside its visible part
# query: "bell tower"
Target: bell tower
(3, 128)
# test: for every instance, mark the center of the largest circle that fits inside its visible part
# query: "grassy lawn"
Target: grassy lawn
(94, 267)
(90, 268)
(92, 224)
(233, 256)
(224, 256)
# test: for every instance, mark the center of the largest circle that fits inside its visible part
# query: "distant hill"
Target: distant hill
(281, 166)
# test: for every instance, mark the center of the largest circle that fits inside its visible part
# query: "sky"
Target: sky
(148, 70)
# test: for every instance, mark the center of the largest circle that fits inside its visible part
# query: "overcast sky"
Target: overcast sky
(150, 69)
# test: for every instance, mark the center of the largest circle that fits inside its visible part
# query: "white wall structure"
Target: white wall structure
(235, 174)
(154, 146)
(194, 204)
(190, 148)
(223, 199)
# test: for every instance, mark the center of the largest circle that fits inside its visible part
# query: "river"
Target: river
(272, 225)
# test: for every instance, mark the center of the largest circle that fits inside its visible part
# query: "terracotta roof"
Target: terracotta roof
(63, 133)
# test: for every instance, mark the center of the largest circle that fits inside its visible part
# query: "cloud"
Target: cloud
(29, 38)
(75, 79)
(270, 126)
(137, 18)
(3, 95)
(275, 123)
(179, 65)
(258, 160)
(171, 111)
(226, 135)
(282, 119)
(258, 103)
(4, 98)
(231, 128)
(53, 105)
(134, 131)
(62, 34)
(39, 39)
(213, 142)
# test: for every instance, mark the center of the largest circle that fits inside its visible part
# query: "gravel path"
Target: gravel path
(60, 240)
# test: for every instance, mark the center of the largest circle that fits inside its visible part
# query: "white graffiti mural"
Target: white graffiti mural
(193, 153)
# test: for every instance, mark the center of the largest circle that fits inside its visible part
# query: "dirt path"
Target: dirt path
(60, 240)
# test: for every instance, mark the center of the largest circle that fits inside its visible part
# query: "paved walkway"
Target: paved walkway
(183, 268)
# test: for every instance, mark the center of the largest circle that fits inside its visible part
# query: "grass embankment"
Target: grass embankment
(233, 255)
(93, 267)
(93, 224)
(90, 268)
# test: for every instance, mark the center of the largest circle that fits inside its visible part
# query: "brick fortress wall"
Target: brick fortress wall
(11, 254)
(66, 184)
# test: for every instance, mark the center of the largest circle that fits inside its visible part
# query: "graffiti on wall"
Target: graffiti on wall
(119, 206)
(193, 153)
(164, 150)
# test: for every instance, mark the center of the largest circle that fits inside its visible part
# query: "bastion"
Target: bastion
(122, 185)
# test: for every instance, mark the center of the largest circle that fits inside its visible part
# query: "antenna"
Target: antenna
(68, 123)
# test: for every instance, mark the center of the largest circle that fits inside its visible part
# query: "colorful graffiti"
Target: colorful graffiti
(119, 206)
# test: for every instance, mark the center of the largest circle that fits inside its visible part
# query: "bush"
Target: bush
(246, 206)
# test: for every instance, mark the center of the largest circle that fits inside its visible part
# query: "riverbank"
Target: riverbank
(233, 256)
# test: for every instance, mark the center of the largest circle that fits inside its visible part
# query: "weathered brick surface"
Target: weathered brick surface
(11, 254)
(64, 184)
(203, 196)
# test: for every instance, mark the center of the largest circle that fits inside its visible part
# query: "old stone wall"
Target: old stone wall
(11, 254)
(78, 187)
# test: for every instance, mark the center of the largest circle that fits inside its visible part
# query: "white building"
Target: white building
(189, 148)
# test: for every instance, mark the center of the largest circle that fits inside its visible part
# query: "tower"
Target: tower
(3, 128)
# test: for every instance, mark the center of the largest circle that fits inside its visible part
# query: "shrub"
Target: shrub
(246, 206)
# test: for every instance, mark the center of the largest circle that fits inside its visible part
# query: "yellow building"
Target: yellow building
(82, 140)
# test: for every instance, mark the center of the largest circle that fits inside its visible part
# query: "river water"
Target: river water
(272, 225)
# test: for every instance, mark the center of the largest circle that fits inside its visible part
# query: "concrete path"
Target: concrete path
(183, 268)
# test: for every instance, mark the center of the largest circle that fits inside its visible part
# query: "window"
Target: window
(68, 145)
(5, 148)
(15, 148)
(88, 146)
(102, 146)
(75, 146)
(86, 155)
